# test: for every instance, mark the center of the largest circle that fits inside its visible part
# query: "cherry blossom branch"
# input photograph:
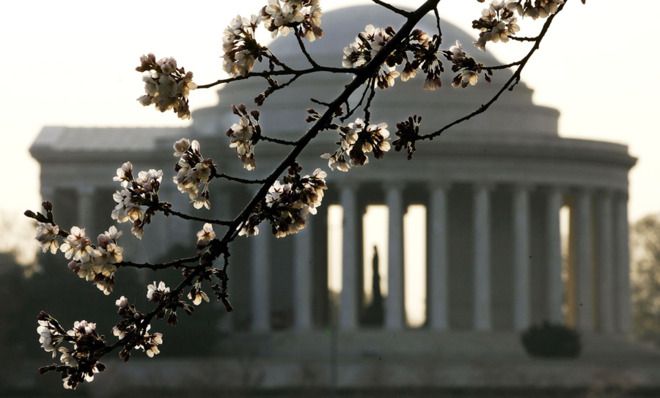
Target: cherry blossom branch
(508, 85)
(192, 166)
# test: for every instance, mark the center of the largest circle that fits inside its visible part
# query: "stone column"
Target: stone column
(605, 265)
(622, 263)
(260, 279)
(348, 297)
(86, 209)
(583, 257)
(438, 263)
(302, 278)
(521, 270)
(320, 294)
(553, 256)
(394, 310)
(481, 213)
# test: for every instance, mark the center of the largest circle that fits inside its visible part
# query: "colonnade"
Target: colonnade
(591, 292)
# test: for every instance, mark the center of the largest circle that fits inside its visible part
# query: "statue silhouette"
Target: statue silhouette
(374, 311)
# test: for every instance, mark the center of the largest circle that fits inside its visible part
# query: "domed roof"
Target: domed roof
(341, 26)
(284, 112)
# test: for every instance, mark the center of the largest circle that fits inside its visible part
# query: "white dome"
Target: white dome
(285, 111)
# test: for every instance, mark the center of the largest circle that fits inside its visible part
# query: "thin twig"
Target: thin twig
(437, 23)
(367, 106)
(168, 211)
(277, 140)
(273, 87)
(519, 38)
(180, 263)
(350, 111)
(393, 8)
(301, 44)
(503, 66)
(314, 100)
(238, 179)
(289, 72)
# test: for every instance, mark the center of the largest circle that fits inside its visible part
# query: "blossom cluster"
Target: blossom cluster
(168, 302)
(467, 68)
(419, 51)
(241, 49)
(193, 172)
(245, 134)
(281, 16)
(365, 47)
(288, 203)
(498, 22)
(357, 139)
(136, 194)
(424, 56)
(239, 43)
(130, 328)
(407, 132)
(534, 9)
(157, 292)
(94, 263)
(166, 86)
(78, 349)
(48, 237)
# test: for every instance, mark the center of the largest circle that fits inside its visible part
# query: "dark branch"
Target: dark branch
(277, 140)
(288, 72)
(169, 211)
(437, 23)
(516, 38)
(367, 106)
(238, 179)
(350, 111)
(393, 8)
(180, 263)
(273, 86)
(301, 44)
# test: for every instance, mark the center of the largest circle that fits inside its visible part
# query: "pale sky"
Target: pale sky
(72, 63)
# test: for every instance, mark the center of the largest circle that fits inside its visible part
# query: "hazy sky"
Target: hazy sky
(72, 63)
